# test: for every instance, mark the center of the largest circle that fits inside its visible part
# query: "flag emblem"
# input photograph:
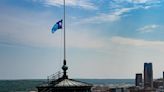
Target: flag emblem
(57, 26)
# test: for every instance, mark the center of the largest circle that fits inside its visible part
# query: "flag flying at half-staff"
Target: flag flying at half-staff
(57, 26)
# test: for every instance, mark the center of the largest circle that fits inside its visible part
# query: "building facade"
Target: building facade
(138, 80)
(148, 75)
(163, 79)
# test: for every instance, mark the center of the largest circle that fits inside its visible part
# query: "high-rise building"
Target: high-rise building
(148, 75)
(163, 79)
(138, 79)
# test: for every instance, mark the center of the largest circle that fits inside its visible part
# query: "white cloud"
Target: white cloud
(145, 4)
(144, 1)
(75, 39)
(84, 39)
(130, 53)
(123, 10)
(147, 7)
(110, 17)
(124, 51)
(85, 4)
(138, 1)
(40, 36)
(118, 9)
(100, 18)
(29, 29)
(138, 51)
(156, 45)
(148, 28)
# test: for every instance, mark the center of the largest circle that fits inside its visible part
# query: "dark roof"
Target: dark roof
(71, 83)
(66, 83)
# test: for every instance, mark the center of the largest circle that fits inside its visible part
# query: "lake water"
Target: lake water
(27, 85)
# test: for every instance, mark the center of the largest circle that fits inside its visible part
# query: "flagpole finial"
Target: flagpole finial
(65, 68)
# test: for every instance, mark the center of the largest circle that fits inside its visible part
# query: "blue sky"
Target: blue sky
(105, 38)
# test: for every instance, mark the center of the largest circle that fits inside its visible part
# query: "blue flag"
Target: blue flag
(57, 26)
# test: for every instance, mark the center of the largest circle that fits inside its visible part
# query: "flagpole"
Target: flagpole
(65, 68)
(64, 35)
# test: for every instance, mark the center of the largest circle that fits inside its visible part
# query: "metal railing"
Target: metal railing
(54, 77)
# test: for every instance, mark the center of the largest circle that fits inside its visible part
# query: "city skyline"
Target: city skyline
(105, 38)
